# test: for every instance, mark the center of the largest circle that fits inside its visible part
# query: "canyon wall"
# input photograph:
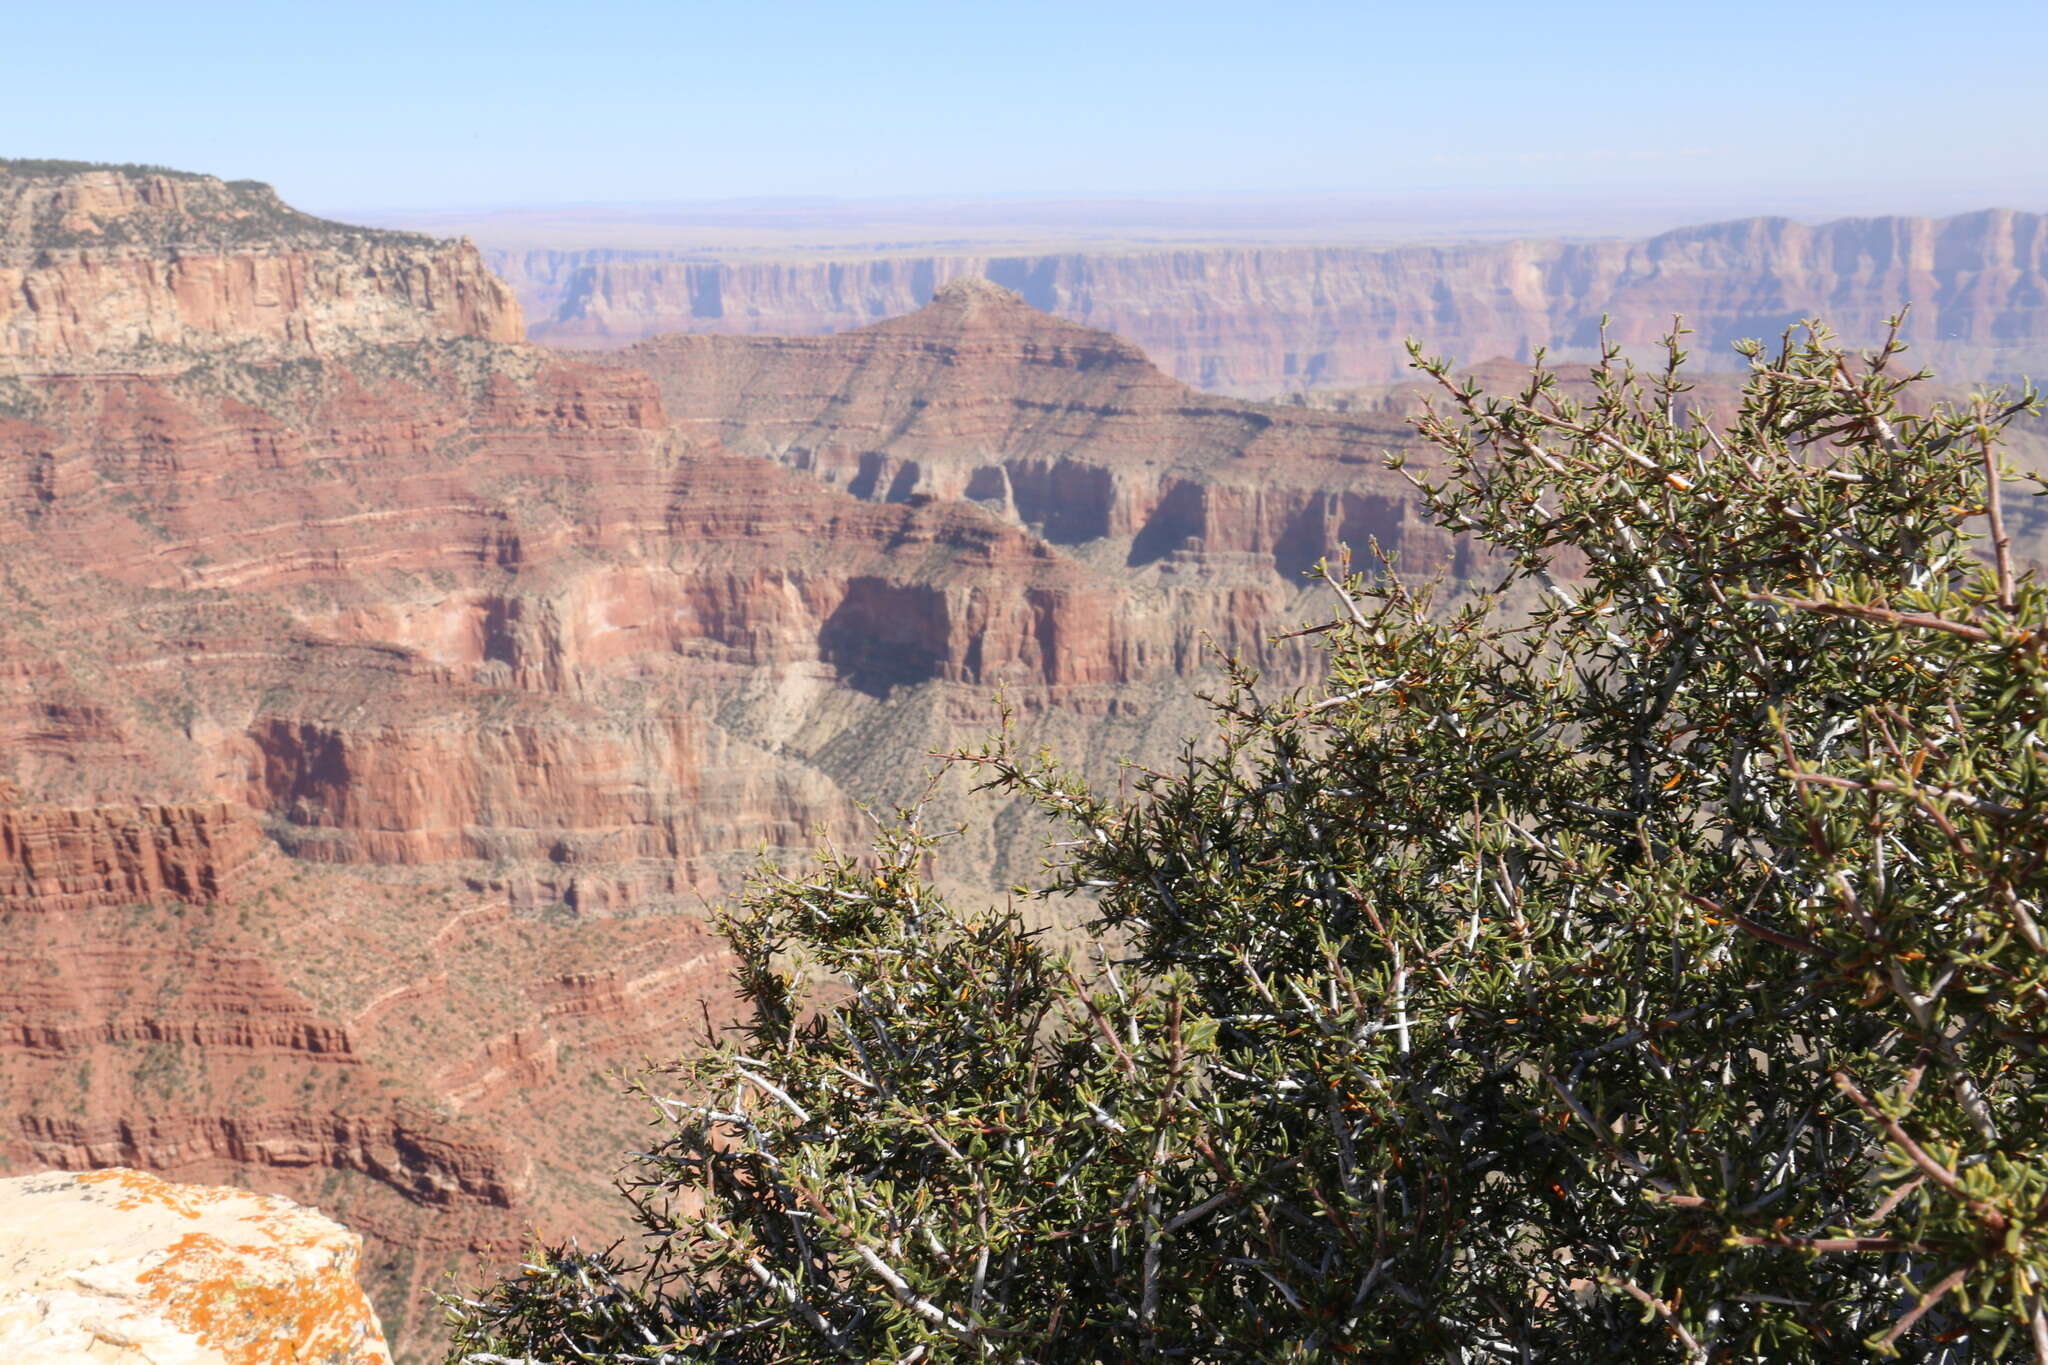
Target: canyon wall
(1264, 320)
(1061, 430)
(108, 267)
(58, 859)
(382, 700)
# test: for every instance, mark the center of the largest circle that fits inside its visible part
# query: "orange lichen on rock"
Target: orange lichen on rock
(118, 1265)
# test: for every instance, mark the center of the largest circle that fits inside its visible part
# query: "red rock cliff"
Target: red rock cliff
(53, 858)
(382, 706)
(1053, 427)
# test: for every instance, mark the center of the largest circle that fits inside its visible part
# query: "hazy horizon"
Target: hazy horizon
(814, 224)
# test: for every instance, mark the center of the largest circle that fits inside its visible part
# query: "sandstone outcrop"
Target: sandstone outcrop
(1269, 319)
(139, 267)
(1056, 428)
(119, 1266)
(57, 858)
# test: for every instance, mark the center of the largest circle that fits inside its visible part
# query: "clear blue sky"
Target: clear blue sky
(376, 105)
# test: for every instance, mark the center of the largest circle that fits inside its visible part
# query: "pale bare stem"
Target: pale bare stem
(1237, 1190)
(1927, 1302)
(910, 1298)
(1891, 339)
(1820, 1245)
(899, 1288)
(1881, 615)
(768, 1087)
(1347, 1156)
(1344, 595)
(1600, 1134)
(784, 1290)
(1919, 794)
(1741, 920)
(1148, 1303)
(1478, 874)
(2001, 543)
(1102, 1024)
(1693, 1350)
(1400, 998)
(2037, 1328)
(1343, 698)
(1673, 358)
(1896, 1198)
(1941, 1175)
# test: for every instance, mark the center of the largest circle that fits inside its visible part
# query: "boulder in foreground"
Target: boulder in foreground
(120, 1266)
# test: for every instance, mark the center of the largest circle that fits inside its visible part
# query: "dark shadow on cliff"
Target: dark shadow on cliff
(1179, 518)
(886, 635)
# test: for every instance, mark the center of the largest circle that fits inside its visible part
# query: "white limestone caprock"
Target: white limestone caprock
(121, 1267)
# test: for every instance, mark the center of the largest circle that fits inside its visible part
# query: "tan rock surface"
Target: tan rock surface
(135, 268)
(122, 1267)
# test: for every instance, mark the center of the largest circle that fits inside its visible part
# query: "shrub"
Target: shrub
(1656, 973)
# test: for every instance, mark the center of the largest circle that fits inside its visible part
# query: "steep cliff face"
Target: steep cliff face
(1055, 428)
(419, 1056)
(58, 859)
(1272, 319)
(379, 707)
(105, 267)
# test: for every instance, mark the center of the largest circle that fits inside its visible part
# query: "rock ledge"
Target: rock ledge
(121, 1267)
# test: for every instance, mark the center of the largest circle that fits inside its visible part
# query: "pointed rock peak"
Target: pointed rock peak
(975, 307)
(973, 304)
(972, 292)
(978, 312)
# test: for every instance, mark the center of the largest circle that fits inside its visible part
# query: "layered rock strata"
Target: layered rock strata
(1059, 429)
(63, 858)
(1268, 319)
(381, 701)
(138, 267)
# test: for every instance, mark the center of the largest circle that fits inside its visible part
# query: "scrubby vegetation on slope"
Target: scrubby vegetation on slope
(1656, 975)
